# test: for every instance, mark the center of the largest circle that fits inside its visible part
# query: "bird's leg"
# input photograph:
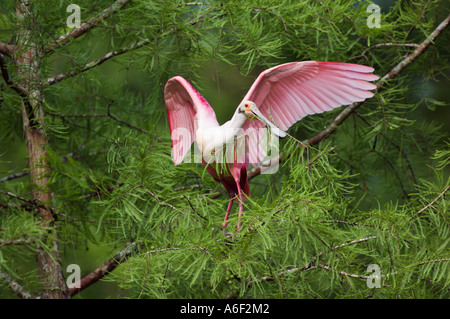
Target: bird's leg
(241, 206)
(230, 203)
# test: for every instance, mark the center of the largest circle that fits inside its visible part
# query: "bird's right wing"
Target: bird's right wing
(184, 105)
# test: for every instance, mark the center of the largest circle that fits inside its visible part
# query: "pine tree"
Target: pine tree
(358, 207)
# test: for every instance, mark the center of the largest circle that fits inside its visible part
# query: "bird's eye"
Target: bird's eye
(246, 105)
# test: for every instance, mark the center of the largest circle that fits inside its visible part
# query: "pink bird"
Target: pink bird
(284, 94)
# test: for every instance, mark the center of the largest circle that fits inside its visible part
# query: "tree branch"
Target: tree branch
(33, 202)
(380, 83)
(95, 63)
(14, 176)
(397, 146)
(411, 45)
(124, 122)
(7, 49)
(85, 27)
(432, 202)
(363, 54)
(13, 85)
(103, 270)
(18, 89)
(163, 202)
(16, 287)
(311, 266)
(342, 273)
(20, 241)
(108, 114)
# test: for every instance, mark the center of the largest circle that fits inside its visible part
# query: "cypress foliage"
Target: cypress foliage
(370, 199)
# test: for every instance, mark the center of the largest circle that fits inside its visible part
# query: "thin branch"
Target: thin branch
(193, 208)
(353, 242)
(79, 220)
(397, 146)
(431, 261)
(351, 223)
(37, 204)
(108, 114)
(123, 122)
(389, 44)
(103, 270)
(22, 241)
(85, 27)
(432, 202)
(155, 251)
(5, 74)
(161, 250)
(16, 287)
(18, 89)
(7, 49)
(189, 187)
(343, 273)
(411, 45)
(311, 266)
(90, 65)
(164, 202)
(14, 176)
(80, 115)
(192, 4)
(275, 14)
(32, 202)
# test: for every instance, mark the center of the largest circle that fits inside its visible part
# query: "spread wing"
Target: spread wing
(286, 93)
(184, 107)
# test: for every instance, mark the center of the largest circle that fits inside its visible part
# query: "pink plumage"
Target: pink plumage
(279, 97)
(288, 92)
(184, 106)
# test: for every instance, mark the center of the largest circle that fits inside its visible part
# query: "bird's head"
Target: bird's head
(250, 110)
(247, 108)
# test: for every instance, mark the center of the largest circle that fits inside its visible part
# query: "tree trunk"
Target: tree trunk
(28, 69)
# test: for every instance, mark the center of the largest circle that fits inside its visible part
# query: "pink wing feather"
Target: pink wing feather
(184, 106)
(288, 92)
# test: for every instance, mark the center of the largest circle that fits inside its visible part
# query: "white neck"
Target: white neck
(237, 121)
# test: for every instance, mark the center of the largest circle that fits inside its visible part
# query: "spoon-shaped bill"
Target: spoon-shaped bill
(275, 130)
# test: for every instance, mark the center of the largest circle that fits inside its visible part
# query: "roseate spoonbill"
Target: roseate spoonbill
(284, 94)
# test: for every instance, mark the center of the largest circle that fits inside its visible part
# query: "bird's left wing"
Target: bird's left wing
(184, 106)
(286, 93)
